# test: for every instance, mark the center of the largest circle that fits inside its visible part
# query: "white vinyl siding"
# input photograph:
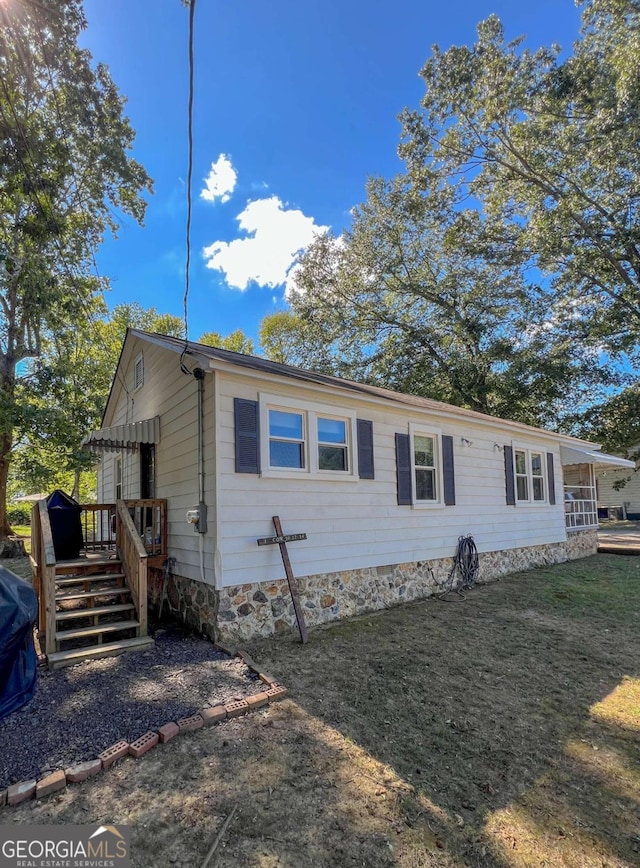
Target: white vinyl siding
(173, 396)
(361, 525)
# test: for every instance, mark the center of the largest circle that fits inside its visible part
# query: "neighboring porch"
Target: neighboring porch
(95, 605)
(580, 498)
(579, 476)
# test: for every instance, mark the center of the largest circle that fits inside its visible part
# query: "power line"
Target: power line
(192, 9)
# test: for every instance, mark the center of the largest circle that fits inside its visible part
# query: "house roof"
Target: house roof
(215, 357)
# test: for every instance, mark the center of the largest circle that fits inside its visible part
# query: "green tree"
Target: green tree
(64, 395)
(286, 338)
(551, 149)
(615, 423)
(235, 341)
(504, 264)
(65, 171)
(423, 296)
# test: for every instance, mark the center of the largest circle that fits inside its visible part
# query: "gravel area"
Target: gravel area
(79, 711)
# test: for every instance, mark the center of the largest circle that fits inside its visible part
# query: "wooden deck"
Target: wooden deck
(619, 541)
(95, 605)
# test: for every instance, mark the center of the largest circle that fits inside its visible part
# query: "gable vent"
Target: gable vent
(138, 372)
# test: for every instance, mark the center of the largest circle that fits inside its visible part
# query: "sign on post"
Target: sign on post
(282, 539)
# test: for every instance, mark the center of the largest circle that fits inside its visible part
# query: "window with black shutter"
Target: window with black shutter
(403, 469)
(247, 429)
(365, 449)
(448, 471)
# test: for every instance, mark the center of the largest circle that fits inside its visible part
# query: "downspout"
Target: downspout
(199, 376)
(201, 527)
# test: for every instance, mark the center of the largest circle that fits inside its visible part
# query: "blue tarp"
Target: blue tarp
(18, 663)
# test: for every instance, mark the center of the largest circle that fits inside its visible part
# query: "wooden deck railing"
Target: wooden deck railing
(134, 556)
(137, 529)
(43, 561)
(98, 526)
(150, 521)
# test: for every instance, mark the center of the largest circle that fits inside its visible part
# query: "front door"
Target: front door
(147, 471)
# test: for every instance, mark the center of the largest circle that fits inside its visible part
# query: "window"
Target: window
(333, 450)
(537, 476)
(522, 477)
(118, 477)
(301, 437)
(424, 483)
(286, 439)
(424, 468)
(530, 476)
(138, 372)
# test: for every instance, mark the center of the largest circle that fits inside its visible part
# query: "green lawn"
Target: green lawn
(501, 732)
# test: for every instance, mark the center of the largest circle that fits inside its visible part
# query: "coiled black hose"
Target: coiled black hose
(466, 564)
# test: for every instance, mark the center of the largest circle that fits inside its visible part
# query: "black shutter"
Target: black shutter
(448, 471)
(247, 417)
(551, 477)
(365, 449)
(403, 469)
(508, 474)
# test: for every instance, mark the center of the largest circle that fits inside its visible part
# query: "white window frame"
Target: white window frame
(529, 451)
(417, 430)
(118, 471)
(304, 441)
(310, 413)
(139, 360)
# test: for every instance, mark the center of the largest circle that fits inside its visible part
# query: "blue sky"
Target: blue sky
(300, 97)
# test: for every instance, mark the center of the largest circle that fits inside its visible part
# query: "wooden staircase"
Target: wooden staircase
(96, 604)
(95, 615)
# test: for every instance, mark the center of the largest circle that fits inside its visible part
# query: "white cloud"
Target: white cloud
(275, 238)
(221, 180)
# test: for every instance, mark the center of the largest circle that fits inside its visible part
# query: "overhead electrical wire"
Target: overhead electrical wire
(187, 271)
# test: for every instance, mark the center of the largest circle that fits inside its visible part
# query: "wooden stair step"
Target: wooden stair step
(107, 627)
(91, 595)
(97, 610)
(90, 577)
(58, 659)
(84, 565)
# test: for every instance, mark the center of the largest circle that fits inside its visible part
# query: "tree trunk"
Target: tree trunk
(76, 484)
(5, 457)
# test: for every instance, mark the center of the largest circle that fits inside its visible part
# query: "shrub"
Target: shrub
(19, 513)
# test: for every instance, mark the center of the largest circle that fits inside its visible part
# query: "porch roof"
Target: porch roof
(119, 437)
(576, 455)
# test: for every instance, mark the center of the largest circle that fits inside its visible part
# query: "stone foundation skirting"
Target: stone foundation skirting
(194, 603)
(254, 610)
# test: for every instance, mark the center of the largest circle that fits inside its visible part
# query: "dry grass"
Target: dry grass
(503, 732)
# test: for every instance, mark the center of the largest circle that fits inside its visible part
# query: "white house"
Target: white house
(383, 484)
(618, 489)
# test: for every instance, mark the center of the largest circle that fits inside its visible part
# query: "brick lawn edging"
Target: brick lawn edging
(57, 781)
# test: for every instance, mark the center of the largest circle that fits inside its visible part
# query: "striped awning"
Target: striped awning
(119, 437)
(576, 455)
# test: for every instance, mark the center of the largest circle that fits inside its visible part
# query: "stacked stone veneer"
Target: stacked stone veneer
(254, 610)
(193, 602)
